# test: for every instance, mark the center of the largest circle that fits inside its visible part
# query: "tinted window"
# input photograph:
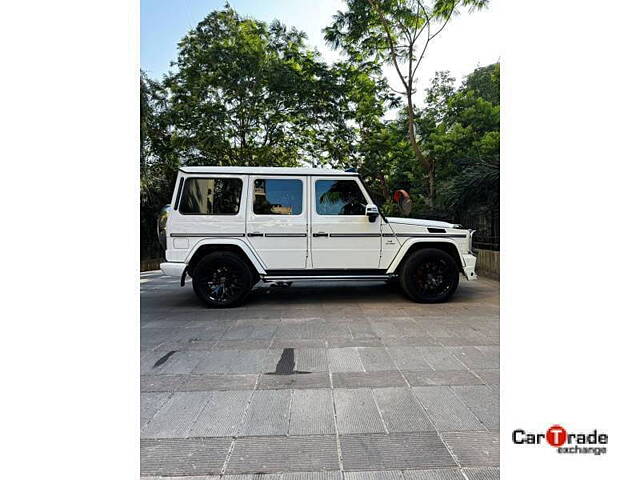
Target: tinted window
(211, 196)
(339, 197)
(277, 197)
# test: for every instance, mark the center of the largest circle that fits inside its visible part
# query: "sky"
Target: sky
(469, 41)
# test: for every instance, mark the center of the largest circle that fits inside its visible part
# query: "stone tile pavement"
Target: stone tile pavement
(333, 382)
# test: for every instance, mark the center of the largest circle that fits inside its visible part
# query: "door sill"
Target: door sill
(326, 275)
(298, 278)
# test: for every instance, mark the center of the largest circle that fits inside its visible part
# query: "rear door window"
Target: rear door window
(277, 196)
(211, 196)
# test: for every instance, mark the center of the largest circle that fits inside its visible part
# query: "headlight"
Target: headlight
(161, 226)
(471, 232)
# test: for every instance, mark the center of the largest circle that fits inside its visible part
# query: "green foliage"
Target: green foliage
(477, 185)
(466, 142)
(388, 28)
(460, 129)
(248, 93)
(398, 32)
(385, 159)
(158, 161)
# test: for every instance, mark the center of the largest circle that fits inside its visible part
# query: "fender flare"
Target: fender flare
(246, 248)
(414, 241)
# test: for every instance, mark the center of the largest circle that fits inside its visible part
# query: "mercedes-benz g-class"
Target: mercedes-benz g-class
(230, 227)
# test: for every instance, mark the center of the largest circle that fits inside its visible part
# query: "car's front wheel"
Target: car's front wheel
(429, 276)
(222, 279)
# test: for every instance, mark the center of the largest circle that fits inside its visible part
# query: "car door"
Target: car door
(342, 237)
(277, 220)
(210, 206)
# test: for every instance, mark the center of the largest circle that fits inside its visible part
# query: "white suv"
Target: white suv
(230, 227)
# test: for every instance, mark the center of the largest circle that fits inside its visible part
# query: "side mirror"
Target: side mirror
(372, 212)
(403, 200)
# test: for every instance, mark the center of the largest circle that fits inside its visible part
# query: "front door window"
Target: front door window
(342, 236)
(339, 197)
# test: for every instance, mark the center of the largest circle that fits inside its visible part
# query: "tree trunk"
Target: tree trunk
(426, 162)
(385, 188)
(431, 179)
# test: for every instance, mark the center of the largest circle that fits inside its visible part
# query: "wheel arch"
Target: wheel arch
(448, 246)
(236, 246)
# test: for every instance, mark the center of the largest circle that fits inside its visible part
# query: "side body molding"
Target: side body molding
(246, 248)
(413, 241)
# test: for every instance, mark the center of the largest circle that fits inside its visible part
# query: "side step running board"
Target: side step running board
(293, 278)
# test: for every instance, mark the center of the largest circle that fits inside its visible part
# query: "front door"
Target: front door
(277, 220)
(342, 237)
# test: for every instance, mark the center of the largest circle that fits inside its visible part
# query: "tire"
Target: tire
(222, 280)
(429, 276)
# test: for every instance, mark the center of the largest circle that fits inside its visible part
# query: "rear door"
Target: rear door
(277, 220)
(341, 235)
(211, 206)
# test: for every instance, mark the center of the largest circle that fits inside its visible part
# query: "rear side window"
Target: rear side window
(211, 196)
(277, 197)
(339, 197)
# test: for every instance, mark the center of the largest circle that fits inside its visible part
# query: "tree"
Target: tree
(464, 136)
(399, 33)
(376, 146)
(248, 93)
(158, 163)
(477, 185)
(462, 127)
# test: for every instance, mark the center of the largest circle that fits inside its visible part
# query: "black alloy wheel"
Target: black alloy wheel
(222, 279)
(430, 276)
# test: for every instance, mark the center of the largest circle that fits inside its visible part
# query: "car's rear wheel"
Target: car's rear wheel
(429, 276)
(222, 280)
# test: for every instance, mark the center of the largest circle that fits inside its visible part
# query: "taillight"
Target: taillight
(161, 226)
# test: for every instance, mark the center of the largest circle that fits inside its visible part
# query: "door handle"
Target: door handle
(321, 234)
(255, 234)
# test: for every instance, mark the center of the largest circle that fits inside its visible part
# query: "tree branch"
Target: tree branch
(397, 91)
(415, 26)
(431, 37)
(394, 56)
(427, 22)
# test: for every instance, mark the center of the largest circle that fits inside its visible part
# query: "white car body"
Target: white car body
(306, 245)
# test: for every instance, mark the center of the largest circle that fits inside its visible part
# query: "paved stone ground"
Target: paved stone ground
(343, 381)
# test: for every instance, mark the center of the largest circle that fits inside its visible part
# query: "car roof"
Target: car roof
(206, 170)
